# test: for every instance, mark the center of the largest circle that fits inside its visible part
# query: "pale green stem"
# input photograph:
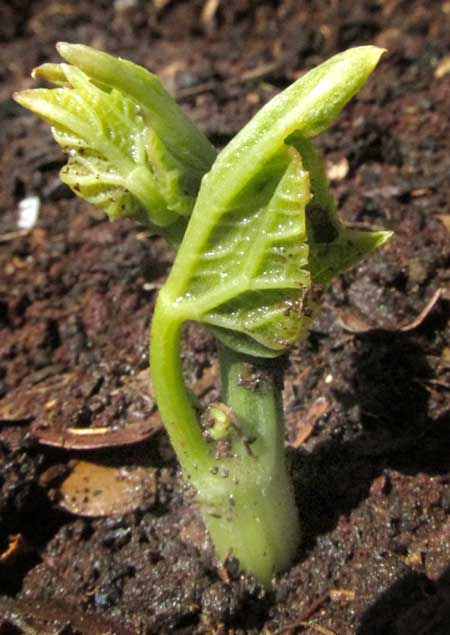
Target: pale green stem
(243, 488)
(174, 402)
(259, 521)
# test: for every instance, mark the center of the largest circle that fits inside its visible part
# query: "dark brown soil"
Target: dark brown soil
(372, 400)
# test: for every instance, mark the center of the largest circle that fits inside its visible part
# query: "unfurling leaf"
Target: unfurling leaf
(264, 237)
(131, 149)
(333, 247)
(254, 279)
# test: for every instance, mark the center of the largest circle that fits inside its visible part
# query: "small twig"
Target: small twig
(315, 606)
(303, 622)
(423, 314)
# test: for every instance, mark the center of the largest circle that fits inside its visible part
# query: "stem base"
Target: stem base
(252, 516)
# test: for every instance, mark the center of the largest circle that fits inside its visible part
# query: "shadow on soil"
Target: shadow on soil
(413, 605)
(390, 395)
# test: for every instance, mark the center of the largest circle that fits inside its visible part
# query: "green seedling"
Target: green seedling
(258, 240)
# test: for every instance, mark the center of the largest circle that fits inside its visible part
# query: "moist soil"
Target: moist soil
(366, 394)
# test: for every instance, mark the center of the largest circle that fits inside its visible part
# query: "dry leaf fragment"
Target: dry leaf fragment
(94, 489)
(97, 438)
(353, 321)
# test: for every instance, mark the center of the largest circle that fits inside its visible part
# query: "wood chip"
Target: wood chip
(97, 438)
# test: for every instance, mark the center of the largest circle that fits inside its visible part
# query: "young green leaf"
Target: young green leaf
(131, 149)
(264, 237)
(333, 248)
(256, 281)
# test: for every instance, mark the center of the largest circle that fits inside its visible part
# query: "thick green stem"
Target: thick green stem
(243, 488)
(257, 519)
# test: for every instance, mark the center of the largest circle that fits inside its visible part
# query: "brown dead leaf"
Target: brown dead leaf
(97, 438)
(353, 321)
(105, 489)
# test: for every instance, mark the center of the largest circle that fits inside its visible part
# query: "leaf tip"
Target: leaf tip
(375, 53)
(23, 97)
(64, 48)
(41, 72)
(71, 52)
(365, 57)
(366, 241)
(382, 237)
